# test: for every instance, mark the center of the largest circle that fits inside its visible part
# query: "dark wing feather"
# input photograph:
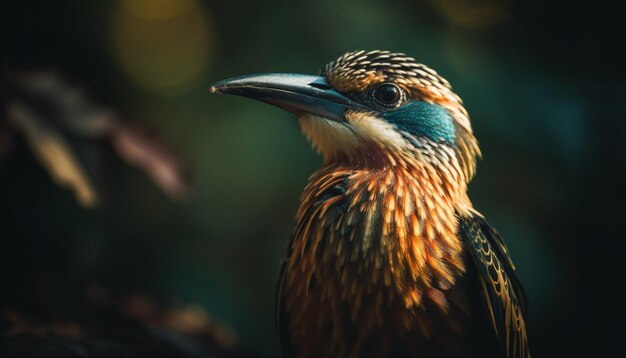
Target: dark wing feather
(503, 295)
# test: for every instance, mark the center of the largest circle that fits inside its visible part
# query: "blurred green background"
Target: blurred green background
(542, 81)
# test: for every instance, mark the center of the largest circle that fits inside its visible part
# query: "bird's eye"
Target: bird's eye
(388, 94)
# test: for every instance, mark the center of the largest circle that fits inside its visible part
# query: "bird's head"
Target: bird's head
(372, 108)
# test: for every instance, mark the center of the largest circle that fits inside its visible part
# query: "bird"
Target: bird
(388, 257)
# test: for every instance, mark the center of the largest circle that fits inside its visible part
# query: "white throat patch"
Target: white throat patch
(333, 138)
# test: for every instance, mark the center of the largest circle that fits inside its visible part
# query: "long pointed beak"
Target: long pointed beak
(295, 93)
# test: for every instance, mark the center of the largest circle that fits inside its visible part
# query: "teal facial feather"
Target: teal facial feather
(423, 119)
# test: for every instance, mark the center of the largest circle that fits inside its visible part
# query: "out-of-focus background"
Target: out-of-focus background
(119, 172)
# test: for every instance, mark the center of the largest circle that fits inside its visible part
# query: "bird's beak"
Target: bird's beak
(295, 93)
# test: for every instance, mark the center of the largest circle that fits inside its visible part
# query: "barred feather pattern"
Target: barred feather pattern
(501, 290)
(369, 248)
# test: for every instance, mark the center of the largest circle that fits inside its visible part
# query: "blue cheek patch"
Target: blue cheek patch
(423, 119)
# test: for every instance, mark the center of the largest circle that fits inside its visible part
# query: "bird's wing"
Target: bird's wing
(503, 295)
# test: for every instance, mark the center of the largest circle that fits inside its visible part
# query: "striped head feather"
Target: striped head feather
(427, 112)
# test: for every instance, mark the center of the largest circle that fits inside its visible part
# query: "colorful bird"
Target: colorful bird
(388, 256)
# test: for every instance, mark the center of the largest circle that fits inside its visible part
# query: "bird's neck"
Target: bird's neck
(393, 225)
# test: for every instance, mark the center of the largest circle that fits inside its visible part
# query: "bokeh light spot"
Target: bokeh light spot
(474, 14)
(164, 46)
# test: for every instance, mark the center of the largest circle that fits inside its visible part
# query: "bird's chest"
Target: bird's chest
(370, 265)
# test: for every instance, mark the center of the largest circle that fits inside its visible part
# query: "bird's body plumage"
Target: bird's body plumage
(363, 263)
(388, 257)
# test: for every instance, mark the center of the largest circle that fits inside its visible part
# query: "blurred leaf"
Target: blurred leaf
(148, 153)
(61, 105)
(59, 123)
(54, 153)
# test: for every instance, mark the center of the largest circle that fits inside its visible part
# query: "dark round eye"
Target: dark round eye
(388, 94)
